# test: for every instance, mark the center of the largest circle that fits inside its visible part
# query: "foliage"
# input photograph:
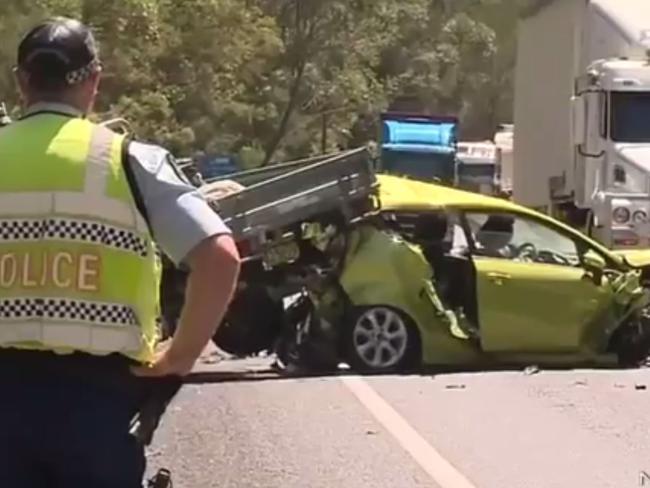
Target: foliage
(278, 79)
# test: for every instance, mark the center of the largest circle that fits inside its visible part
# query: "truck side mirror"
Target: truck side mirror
(578, 120)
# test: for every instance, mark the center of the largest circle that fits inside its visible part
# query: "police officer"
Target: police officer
(80, 210)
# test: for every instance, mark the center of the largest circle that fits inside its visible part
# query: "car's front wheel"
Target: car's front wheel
(631, 341)
(381, 339)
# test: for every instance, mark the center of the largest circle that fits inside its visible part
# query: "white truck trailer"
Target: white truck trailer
(582, 116)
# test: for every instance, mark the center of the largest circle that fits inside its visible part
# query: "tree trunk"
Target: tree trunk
(286, 116)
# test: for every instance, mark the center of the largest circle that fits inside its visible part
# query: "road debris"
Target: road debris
(532, 369)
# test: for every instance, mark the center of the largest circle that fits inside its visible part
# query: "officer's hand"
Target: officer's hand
(165, 364)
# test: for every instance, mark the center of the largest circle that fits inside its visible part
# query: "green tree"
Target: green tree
(278, 79)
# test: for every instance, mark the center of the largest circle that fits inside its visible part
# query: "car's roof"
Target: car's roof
(403, 194)
(399, 193)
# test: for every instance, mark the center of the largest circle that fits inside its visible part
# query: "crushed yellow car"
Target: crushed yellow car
(448, 277)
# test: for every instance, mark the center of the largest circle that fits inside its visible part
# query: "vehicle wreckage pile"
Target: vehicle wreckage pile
(341, 264)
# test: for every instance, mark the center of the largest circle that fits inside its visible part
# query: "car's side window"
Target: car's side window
(519, 238)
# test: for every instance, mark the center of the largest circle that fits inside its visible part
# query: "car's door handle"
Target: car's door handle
(498, 277)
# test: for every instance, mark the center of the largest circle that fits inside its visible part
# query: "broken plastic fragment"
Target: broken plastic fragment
(532, 369)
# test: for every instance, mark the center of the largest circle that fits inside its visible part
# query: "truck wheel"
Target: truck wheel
(381, 339)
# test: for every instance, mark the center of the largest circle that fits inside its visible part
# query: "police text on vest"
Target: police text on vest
(61, 270)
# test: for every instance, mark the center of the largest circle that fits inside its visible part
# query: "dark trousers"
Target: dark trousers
(64, 422)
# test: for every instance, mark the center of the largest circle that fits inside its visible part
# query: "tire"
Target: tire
(253, 323)
(631, 343)
(381, 339)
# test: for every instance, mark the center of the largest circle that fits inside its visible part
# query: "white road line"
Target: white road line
(442, 472)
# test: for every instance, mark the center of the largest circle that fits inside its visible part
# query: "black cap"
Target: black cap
(58, 52)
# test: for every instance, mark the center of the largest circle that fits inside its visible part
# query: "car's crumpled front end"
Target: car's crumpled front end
(638, 262)
(383, 271)
(628, 327)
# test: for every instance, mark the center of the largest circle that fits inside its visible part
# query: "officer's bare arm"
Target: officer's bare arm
(192, 235)
(214, 270)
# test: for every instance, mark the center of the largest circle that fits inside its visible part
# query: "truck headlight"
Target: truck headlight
(639, 217)
(621, 215)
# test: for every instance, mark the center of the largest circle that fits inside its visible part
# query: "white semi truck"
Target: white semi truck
(582, 116)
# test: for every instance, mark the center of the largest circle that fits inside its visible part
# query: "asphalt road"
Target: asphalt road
(238, 427)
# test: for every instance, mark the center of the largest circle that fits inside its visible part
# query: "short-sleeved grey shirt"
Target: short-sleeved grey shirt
(179, 215)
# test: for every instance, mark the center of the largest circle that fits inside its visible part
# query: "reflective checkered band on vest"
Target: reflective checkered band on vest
(65, 309)
(72, 230)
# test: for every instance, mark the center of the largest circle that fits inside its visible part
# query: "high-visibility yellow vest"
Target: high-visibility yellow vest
(78, 267)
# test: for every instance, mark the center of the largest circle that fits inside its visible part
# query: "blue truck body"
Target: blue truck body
(421, 147)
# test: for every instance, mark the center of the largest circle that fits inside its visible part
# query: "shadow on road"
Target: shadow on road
(271, 374)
